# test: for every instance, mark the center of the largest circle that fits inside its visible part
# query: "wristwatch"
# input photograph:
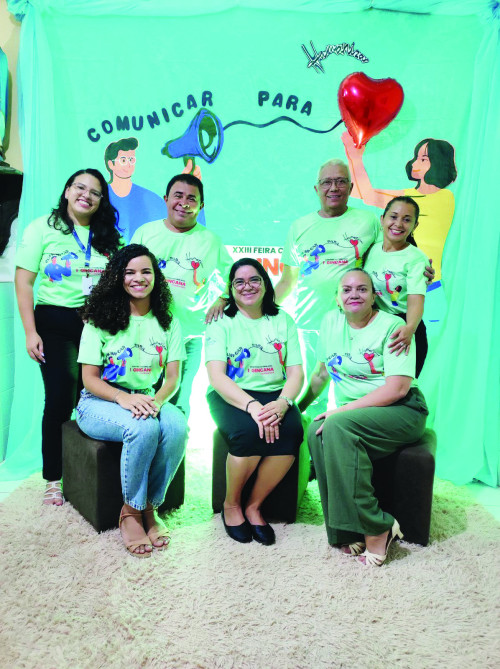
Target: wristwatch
(287, 400)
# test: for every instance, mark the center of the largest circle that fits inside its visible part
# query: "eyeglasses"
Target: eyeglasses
(341, 182)
(253, 282)
(123, 160)
(82, 188)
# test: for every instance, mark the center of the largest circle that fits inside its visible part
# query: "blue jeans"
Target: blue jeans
(190, 367)
(152, 448)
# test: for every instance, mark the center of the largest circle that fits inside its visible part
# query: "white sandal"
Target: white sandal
(368, 559)
(353, 550)
(53, 494)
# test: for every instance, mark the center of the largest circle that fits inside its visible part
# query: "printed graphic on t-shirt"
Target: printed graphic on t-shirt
(191, 267)
(342, 366)
(54, 270)
(235, 368)
(311, 259)
(350, 242)
(236, 360)
(138, 359)
(391, 282)
(313, 256)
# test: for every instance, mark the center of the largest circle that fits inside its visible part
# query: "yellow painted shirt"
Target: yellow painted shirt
(434, 222)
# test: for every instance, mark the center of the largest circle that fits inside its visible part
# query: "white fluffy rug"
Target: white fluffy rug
(73, 598)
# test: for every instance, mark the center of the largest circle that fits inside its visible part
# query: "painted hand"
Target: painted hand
(189, 167)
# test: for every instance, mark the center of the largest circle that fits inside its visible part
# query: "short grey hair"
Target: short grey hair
(336, 162)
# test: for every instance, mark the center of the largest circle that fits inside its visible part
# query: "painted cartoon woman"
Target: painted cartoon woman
(433, 168)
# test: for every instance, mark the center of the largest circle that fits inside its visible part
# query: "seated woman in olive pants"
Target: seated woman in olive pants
(379, 410)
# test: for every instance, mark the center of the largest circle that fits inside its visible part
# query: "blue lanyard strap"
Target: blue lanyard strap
(87, 250)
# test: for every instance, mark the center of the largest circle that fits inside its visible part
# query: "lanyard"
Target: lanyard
(87, 250)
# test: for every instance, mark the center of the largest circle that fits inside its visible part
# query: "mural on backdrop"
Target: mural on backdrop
(366, 107)
(203, 138)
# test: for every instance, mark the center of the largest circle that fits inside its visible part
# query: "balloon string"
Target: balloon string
(281, 118)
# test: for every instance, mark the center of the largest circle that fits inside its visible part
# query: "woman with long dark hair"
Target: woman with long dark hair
(68, 250)
(255, 371)
(130, 338)
(397, 267)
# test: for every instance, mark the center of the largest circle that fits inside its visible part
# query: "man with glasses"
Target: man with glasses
(135, 204)
(196, 266)
(319, 248)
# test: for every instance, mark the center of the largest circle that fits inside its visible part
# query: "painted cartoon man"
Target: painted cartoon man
(135, 204)
(319, 249)
(195, 264)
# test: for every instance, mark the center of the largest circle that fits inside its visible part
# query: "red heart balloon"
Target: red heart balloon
(195, 264)
(368, 105)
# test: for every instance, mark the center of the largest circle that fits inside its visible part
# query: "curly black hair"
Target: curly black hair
(105, 237)
(108, 305)
(269, 306)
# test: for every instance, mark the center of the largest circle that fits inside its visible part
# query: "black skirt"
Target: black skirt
(242, 433)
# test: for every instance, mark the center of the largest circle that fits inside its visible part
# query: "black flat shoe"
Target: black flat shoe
(241, 533)
(264, 534)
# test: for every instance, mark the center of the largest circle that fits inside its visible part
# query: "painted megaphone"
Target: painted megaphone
(204, 138)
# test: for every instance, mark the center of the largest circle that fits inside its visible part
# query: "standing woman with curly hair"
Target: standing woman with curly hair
(68, 250)
(129, 338)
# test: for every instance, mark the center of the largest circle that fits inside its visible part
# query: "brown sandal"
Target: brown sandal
(158, 530)
(131, 545)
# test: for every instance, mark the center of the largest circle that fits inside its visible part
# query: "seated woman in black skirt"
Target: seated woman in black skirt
(255, 371)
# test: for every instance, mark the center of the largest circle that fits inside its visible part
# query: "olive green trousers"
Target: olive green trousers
(343, 456)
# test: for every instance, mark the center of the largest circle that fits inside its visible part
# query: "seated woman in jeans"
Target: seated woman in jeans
(129, 338)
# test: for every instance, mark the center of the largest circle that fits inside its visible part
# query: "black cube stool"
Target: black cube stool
(403, 485)
(282, 503)
(91, 478)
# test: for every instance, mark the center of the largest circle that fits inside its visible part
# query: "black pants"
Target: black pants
(421, 345)
(60, 329)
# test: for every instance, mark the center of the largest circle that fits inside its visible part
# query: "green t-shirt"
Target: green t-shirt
(323, 249)
(133, 358)
(359, 361)
(58, 259)
(196, 266)
(257, 351)
(396, 274)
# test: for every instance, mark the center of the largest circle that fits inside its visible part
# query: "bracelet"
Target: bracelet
(250, 402)
(287, 400)
(117, 393)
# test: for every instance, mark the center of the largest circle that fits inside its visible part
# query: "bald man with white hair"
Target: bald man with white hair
(319, 248)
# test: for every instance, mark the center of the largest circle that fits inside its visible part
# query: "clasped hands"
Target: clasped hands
(141, 406)
(268, 418)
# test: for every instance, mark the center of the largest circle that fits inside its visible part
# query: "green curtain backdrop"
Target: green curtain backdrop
(95, 71)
